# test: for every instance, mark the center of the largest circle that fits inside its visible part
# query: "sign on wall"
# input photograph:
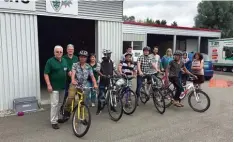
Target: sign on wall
(18, 4)
(62, 6)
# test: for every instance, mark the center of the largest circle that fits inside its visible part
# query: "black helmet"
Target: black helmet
(126, 54)
(146, 48)
(178, 52)
(83, 53)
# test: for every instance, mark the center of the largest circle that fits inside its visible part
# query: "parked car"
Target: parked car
(208, 65)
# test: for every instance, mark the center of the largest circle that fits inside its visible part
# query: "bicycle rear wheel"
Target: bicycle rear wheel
(199, 100)
(143, 96)
(77, 121)
(129, 100)
(159, 101)
(115, 107)
(168, 96)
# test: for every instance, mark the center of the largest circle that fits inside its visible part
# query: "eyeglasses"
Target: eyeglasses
(59, 52)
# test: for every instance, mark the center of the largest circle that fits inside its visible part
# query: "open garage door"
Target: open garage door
(63, 31)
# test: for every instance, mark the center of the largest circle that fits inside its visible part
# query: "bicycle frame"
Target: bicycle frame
(191, 87)
(81, 99)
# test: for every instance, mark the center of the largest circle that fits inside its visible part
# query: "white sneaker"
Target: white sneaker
(93, 104)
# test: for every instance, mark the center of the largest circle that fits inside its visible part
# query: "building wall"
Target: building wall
(19, 61)
(191, 45)
(88, 9)
(138, 29)
(109, 36)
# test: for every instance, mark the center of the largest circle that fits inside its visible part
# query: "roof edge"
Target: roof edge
(173, 27)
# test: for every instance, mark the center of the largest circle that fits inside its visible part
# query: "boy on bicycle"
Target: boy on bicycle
(174, 68)
(80, 73)
(127, 67)
(105, 68)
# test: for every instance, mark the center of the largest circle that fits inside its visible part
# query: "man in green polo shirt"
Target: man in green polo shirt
(55, 74)
(71, 59)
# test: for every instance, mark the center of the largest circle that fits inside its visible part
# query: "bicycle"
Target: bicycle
(80, 110)
(112, 98)
(127, 95)
(155, 92)
(191, 90)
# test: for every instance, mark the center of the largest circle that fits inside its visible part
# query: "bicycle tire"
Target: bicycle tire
(201, 92)
(88, 124)
(143, 96)
(158, 92)
(118, 98)
(168, 97)
(134, 107)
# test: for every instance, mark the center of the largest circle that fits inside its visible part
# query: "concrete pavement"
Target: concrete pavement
(176, 124)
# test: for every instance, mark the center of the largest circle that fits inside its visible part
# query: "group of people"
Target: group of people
(63, 73)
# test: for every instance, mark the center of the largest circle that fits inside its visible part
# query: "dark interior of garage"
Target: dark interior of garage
(63, 31)
(162, 41)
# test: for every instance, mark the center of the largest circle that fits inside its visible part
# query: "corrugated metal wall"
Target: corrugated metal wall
(138, 29)
(95, 10)
(19, 61)
(109, 37)
(134, 37)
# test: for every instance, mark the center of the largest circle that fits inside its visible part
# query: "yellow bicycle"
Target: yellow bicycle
(81, 112)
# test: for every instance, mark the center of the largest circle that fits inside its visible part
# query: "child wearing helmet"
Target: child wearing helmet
(105, 68)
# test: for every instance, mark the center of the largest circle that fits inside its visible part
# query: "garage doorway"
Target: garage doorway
(62, 31)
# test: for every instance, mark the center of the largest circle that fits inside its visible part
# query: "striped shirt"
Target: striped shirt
(127, 68)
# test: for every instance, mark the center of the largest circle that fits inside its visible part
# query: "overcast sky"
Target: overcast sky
(180, 11)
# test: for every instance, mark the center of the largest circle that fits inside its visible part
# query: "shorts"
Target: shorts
(200, 79)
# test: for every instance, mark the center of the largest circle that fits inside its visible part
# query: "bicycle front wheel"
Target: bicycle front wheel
(115, 107)
(159, 101)
(81, 123)
(129, 100)
(199, 98)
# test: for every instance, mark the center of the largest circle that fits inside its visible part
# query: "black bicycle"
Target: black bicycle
(153, 90)
(113, 99)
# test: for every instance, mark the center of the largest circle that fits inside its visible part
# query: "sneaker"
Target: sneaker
(113, 109)
(84, 122)
(98, 112)
(93, 105)
(55, 126)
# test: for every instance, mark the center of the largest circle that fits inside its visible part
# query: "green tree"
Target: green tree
(128, 18)
(163, 22)
(215, 15)
(158, 22)
(149, 21)
(174, 23)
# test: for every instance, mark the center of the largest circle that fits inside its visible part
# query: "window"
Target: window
(126, 44)
(137, 45)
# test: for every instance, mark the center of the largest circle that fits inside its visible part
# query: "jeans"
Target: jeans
(101, 98)
(177, 84)
(139, 85)
(92, 94)
(56, 100)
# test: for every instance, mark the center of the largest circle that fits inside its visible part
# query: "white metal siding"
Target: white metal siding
(95, 10)
(109, 37)
(134, 37)
(191, 45)
(138, 29)
(19, 62)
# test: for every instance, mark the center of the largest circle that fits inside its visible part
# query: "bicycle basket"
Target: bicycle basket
(120, 82)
